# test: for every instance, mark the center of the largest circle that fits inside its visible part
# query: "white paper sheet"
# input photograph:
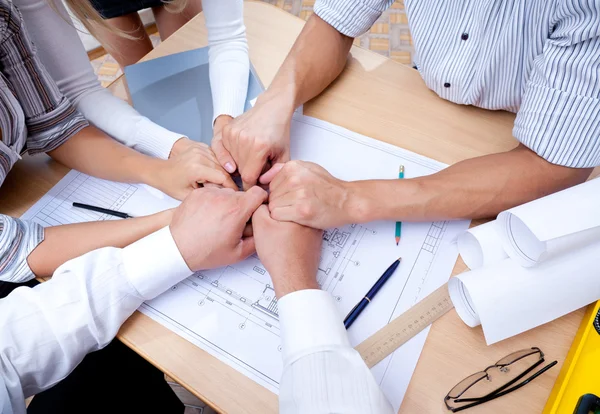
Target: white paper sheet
(546, 227)
(231, 312)
(507, 299)
(481, 246)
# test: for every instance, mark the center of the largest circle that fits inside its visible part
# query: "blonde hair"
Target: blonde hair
(92, 20)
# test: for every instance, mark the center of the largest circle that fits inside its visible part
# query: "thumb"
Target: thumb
(283, 156)
(251, 200)
(261, 215)
(267, 177)
(223, 156)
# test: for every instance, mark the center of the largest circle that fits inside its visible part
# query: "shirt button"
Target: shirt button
(464, 36)
(446, 85)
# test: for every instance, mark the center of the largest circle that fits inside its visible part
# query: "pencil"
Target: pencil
(102, 210)
(399, 223)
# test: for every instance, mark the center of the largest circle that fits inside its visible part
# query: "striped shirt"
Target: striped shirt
(34, 117)
(538, 58)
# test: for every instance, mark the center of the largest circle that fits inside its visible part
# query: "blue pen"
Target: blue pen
(360, 306)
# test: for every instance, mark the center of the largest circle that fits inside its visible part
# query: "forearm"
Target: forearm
(93, 152)
(316, 59)
(79, 311)
(63, 243)
(476, 188)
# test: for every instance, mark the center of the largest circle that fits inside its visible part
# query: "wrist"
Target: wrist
(180, 146)
(153, 172)
(293, 282)
(360, 205)
(284, 99)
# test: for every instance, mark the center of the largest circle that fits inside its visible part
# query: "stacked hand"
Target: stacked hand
(306, 193)
(209, 226)
(254, 141)
(190, 165)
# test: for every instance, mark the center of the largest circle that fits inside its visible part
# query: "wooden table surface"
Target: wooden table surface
(381, 99)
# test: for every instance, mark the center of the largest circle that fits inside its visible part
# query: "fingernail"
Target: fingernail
(229, 167)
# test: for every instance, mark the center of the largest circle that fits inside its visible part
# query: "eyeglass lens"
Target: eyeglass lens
(483, 383)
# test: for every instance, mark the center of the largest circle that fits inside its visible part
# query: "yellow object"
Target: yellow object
(580, 372)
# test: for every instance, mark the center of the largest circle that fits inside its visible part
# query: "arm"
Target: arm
(228, 60)
(93, 152)
(261, 135)
(63, 55)
(558, 125)
(63, 243)
(476, 188)
(54, 325)
(322, 373)
(28, 250)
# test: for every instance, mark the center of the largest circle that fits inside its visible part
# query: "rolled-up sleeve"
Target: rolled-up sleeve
(559, 117)
(18, 238)
(50, 117)
(351, 17)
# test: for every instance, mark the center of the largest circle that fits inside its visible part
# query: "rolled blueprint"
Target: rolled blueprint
(481, 246)
(552, 225)
(507, 299)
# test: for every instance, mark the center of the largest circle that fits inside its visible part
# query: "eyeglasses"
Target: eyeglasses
(509, 372)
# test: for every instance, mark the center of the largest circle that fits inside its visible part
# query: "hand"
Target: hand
(289, 251)
(208, 227)
(255, 140)
(189, 165)
(306, 193)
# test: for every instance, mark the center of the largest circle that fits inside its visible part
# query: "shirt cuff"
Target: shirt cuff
(154, 140)
(350, 18)
(556, 125)
(154, 264)
(309, 320)
(230, 88)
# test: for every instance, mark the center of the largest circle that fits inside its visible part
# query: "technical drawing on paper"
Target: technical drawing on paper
(242, 301)
(232, 312)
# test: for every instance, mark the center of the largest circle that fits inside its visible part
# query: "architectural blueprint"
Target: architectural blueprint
(232, 313)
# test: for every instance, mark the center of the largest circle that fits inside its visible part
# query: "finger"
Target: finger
(229, 183)
(203, 173)
(267, 177)
(245, 248)
(288, 199)
(281, 185)
(223, 156)
(212, 185)
(287, 213)
(251, 200)
(248, 231)
(283, 157)
(260, 215)
(251, 171)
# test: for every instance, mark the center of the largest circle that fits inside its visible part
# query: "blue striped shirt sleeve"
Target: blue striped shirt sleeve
(559, 117)
(18, 238)
(351, 17)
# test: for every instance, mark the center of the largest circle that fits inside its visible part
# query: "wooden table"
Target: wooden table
(381, 99)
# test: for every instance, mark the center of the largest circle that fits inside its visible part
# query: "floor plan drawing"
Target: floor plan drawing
(232, 312)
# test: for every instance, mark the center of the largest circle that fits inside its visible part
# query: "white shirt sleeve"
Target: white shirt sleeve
(229, 65)
(46, 331)
(63, 55)
(322, 373)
